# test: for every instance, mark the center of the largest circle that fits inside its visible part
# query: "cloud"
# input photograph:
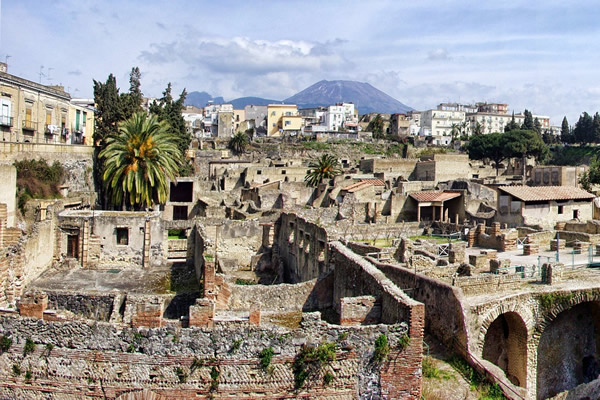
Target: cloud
(245, 55)
(438, 55)
(161, 25)
(75, 72)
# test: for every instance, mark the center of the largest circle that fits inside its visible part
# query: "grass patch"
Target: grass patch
(5, 343)
(245, 282)
(432, 372)
(29, 347)
(485, 389)
(288, 320)
(177, 234)
(437, 239)
(549, 300)
(316, 145)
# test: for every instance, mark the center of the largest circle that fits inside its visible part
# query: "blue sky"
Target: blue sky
(540, 55)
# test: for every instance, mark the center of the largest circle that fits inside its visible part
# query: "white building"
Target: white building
(335, 118)
(438, 124)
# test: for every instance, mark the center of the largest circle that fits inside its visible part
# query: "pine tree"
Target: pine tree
(565, 132)
(595, 134)
(537, 126)
(132, 102)
(528, 123)
(512, 125)
(108, 109)
(169, 110)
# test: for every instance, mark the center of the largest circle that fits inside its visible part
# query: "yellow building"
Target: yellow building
(35, 113)
(282, 118)
(81, 115)
(239, 116)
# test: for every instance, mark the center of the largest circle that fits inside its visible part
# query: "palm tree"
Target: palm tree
(140, 160)
(325, 167)
(239, 142)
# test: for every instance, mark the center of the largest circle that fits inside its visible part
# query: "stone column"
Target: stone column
(84, 243)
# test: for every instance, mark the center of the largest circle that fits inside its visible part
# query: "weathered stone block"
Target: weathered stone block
(202, 313)
(254, 318)
(360, 310)
(531, 248)
(33, 305)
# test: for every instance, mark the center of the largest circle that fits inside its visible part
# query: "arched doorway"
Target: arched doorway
(505, 345)
(568, 350)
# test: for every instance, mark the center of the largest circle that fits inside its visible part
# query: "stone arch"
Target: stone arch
(525, 313)
(505, 345)
(568, 344)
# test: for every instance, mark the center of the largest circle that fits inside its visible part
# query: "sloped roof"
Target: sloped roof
(546, 193)
(364, 183)
(434, 196)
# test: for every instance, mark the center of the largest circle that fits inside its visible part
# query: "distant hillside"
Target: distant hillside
(201, 99)
(257, 101)
(364, 96)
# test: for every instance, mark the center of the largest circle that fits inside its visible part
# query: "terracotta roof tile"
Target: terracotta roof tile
(433, 196)
(364, 183)
(546, 193)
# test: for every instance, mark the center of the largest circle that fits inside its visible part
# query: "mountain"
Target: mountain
(257, 101)
(364, 96)
(201, 99)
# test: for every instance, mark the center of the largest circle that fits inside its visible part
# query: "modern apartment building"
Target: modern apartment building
(438, 124)
(34, 113)
(283, 118)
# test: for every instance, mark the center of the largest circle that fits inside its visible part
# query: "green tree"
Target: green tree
(595, 135)
(478, 130)
(537, 126)
(108, 112)
(169, 110)
(490, 147)
(566, 136)
(583, 131)
(325, 167)
(376, 126)
(139, 162)
(131, 102)
(528, 124)
(512, 125)
(239, 142)
(454, 131)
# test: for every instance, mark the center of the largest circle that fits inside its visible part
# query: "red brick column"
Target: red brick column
(148, 314)
(33, 305)
(254, 318)
(401, 374)
(209, 280)
(202, 313)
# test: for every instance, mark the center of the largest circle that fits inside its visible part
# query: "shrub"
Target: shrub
(381, 348)
(311, 359)
(328, 378)
(37, 179)
(214, 376)
(29, 347)
(181, 375)
(16, 369)
(5, 343)
(236, 345)
(28, 376)
(265, 357)
(244, 282)
(403, 342)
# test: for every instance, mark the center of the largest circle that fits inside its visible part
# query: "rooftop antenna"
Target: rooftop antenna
(6, 57)
(41, 73)
(48, 75)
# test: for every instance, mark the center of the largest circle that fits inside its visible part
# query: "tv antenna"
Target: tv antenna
(41, 73)
(6, 57)
(48, 75)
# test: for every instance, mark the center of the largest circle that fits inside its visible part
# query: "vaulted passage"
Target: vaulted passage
(506, 346)
(568, 350)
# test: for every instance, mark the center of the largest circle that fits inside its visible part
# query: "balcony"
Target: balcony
(28, 125)
(50, 129)
(5, 120)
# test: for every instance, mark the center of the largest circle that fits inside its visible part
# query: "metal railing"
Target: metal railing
(6, 120)
(28, 125)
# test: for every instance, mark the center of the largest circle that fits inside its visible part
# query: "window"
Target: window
(288, 123)
(73, 246)
(180, 213)
(48, 117)
(560, 209)
(122, 236)
(84, 118)
(575, 214)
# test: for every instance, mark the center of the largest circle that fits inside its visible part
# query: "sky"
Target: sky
(539, 55)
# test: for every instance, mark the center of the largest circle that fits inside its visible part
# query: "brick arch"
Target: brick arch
(524, 312)
(560, 359)
(503, 340)
(574, 298)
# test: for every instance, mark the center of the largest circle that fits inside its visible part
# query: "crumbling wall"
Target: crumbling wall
(302, 248)
(93, 360)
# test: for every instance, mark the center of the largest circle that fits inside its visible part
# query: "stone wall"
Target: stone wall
(100, 360)
(284, 297)
(302, 248)
(443, 318)
(355, 276)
